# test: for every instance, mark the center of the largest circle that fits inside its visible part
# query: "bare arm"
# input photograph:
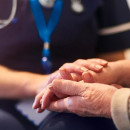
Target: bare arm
(124, 72)
(16, 85)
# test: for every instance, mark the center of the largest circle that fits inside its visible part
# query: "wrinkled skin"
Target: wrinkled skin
(84, 99)
(70, 71)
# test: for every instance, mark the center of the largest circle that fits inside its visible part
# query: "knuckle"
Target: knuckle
(77, 67)
(88, 94)
(92, 65)
(66, 64)
(50, 78)
(54, 81)
(78, 61)
(37, 97)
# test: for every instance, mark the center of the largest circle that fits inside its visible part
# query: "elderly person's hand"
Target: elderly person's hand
(84, 99)
(70, 71)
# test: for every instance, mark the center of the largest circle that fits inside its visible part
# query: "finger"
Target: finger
(36, 103)
(60, 95)
(69, 104)
(90, 65)
(53, 76)
(41, 101)
(58, 106)
(49, 96)
(73, 68)
(70, 76)
(76, 77)
(46, 98)
(92, 77)
(68, 87)
(58, 76)
(65, 74)
(39, 110)
(99, 61)
(87, 77)
(105, 77)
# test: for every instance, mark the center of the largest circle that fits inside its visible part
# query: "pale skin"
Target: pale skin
(94, 99)
(76, 68)
(19, 84)
(61, 96)
(116, 72)
(84, 99)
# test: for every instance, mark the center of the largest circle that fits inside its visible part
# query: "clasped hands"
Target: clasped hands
(76, 88)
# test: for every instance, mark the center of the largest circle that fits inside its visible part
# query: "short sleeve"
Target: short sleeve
(113, 26)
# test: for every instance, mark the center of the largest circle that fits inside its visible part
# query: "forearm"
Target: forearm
(124, 72)
(14, 84)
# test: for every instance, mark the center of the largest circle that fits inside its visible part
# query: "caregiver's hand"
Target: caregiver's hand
(70, 71)
(80, 65)
(73, 71)
(84, 99)
(112, 74)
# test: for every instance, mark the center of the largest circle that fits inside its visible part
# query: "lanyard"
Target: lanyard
(46, 30)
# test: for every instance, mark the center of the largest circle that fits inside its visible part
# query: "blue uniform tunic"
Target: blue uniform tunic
(76, 36)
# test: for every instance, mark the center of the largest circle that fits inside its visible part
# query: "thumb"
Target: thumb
(68, 87)
(69, 76)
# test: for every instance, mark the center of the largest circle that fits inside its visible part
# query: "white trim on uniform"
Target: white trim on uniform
(128, 2)
(115, 29)
(127, 54)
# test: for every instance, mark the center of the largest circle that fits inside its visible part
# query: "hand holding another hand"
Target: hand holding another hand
(84, 99)
(70, 71)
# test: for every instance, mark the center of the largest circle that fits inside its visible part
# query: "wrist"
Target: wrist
(123, 70)
(33, 83)
(111, 93)
(117, 72)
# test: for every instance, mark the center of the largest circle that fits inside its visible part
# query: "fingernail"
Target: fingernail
(84, 69)
(99, 67)
(50, 87)
(104, 62)
(42, 105)
(65, 75)
(62, 72)
(41, 101)
(33, 106)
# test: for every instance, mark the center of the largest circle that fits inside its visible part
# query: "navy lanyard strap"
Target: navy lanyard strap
(45, 30)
